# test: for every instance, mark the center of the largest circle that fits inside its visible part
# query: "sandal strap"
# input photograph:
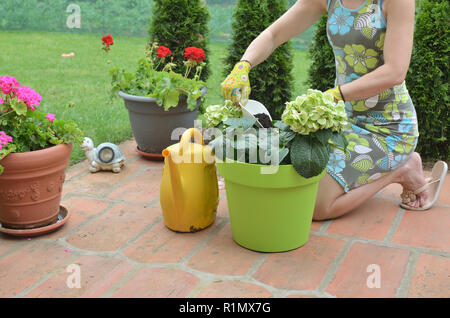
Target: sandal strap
(421, 189)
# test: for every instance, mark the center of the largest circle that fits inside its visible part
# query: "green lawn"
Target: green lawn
(78, 88)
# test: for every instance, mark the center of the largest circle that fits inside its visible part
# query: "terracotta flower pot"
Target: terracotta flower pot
(31, 187)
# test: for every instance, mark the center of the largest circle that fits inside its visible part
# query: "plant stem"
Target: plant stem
(7, 113)
(159, 63)
(188, 70)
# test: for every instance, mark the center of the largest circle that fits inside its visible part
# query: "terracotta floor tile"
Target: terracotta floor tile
(99, 224)
(392, 191)
(223, 256)
(159, 282)
(97, 275)
(29, 264)
(7, 242)
(303, 268)
(431, 278)
(100, 182)
(222, 209)
(371, 221)
(76, 170)
(353, 273)
(444, 195)
(233, 289)
(128, 149)
(316, 225)
(428, 229)
(114, 228)
(161, 245)
(142, 189)
(81, 210)
(300, 296)
(151, 164)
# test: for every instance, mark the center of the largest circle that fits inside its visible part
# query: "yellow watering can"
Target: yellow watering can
(189, 190)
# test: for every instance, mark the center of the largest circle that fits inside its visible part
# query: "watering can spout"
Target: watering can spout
(166, 153)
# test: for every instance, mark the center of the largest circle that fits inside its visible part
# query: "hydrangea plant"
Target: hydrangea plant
(23, 128)
(310, 126)
(215, 114)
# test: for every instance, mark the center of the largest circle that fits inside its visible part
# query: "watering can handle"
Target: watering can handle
(186, 138)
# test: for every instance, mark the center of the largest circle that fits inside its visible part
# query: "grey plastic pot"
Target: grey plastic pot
(152, 126)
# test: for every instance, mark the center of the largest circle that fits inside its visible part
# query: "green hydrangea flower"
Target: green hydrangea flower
(215, 114)
(313, 111)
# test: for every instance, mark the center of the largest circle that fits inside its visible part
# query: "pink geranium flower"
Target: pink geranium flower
(50, 117)
(29, 96)
(1, 100)
(8, 84)
(4, 139)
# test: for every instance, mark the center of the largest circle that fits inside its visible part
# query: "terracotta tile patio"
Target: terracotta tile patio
(118, 239)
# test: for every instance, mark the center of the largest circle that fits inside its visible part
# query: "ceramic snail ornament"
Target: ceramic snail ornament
(106, 156)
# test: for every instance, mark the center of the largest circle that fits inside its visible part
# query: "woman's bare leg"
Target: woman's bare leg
(332, 201)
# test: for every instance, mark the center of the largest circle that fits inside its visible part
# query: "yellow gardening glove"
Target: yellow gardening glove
(236, 87)
(336, 92)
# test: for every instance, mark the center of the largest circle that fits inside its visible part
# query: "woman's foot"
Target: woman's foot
(411, 177)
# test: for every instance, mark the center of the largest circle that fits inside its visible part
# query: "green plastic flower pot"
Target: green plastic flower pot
(269, 212)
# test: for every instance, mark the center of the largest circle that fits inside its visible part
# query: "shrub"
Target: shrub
(427, 79)
(178, 24)
(322, 70)
(271, 81)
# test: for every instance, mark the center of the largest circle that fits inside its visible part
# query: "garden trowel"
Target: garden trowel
(253, 108)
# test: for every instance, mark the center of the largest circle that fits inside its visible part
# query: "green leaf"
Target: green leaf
(324, 136)
(339, 140)
(283, 153)
(243, 122)
(281, 125)
(19, 107)
(286, 137)
(308, 156)
(171, 99)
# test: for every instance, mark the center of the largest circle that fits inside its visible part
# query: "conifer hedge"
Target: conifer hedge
(322, 70)
(427, 79)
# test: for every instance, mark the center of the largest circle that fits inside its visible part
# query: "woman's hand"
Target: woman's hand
(294, 21)
(236, 86)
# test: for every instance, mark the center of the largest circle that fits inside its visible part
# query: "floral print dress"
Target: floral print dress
(382, 130)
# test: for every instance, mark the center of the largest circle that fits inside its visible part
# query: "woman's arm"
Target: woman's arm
(296, 20)
(397, 54)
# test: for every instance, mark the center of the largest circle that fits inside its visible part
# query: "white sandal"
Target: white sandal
(435, 181)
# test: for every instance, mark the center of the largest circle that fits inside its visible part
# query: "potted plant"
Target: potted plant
(158, 99)
(35, 149)
(272, 173)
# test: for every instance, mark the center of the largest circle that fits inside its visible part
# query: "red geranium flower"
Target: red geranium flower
(163, 51)
(194, 53)
(108, 40)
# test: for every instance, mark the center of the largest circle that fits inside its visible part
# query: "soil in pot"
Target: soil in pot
(264, 120)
